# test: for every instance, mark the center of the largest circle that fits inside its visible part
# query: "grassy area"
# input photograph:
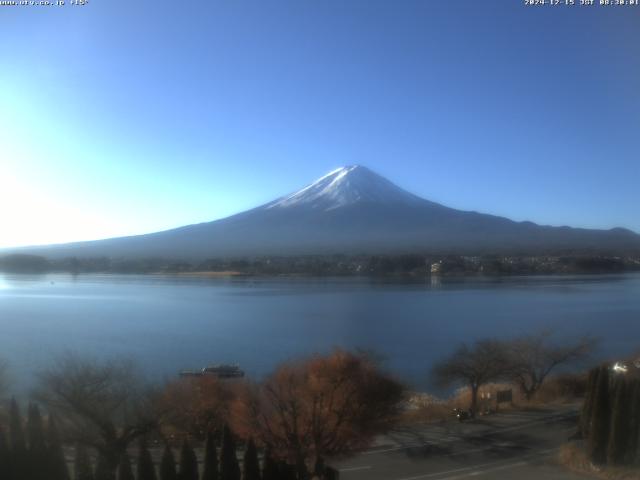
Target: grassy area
(573, 457)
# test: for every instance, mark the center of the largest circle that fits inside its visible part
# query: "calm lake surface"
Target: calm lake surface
(171, 323)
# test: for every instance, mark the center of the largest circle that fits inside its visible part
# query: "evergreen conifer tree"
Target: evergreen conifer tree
(82, 464)
(125, 471)
(330, 474)
(269, 466)
(57, 463)
(4, 456)
(319, 467)
(250, 464)
(634, 422)
(37, 456)
(19, 465)
(210, 469)
(35, 429)
(188, 463)
(168, 465)
(286, 471)
(145, 468)
(103, 471)
(229, 467)
(619, 431)
(600, 419)
(16, 431)
(587, 407)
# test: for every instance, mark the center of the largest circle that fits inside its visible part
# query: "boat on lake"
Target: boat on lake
(219, 370)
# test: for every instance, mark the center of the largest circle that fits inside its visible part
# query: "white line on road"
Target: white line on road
(491, 470)
(519, 415)
(525, 425)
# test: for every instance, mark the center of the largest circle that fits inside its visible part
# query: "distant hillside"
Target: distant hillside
(352, 210)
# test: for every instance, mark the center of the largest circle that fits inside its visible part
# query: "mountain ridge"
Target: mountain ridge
(351, 210)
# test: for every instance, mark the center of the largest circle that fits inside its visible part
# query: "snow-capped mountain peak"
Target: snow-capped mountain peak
(346, 186)
(350, 210)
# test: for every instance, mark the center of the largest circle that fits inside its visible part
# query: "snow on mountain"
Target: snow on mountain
(346, 186)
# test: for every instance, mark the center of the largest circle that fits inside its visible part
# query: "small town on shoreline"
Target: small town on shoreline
(338, 265)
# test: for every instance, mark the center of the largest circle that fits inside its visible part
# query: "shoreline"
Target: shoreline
(410, 277)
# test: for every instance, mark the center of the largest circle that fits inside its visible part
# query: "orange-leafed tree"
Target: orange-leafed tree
(197, 406)
(319, 407)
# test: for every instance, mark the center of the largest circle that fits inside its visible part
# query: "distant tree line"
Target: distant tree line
(25, 264)
(332, 265)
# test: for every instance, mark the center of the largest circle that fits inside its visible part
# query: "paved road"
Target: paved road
(512, 445)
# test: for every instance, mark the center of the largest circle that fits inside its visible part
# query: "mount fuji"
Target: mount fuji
(352, 210)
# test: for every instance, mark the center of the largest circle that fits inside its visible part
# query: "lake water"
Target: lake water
(172, 323)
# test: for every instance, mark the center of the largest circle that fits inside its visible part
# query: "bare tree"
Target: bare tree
(483, 362)
(533, 357)
(103, 405)
(322, 406)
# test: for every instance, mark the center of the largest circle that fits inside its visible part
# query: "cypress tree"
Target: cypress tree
(250, 464)
(16, 432)
(168, 465)
(210, 470)
(4, 456)
(103, 471)
(619, 436)
(331, 474)
(319, 467)
(188, 463)
(124, 468)
(57, 463)
(35, 429)
(587, 407)
(634, 422)
(269, 466)
(82, 465)
(286, 471)
(600, 418)
(19, 465)
(145, 468)
(37, 464)
(229, 468)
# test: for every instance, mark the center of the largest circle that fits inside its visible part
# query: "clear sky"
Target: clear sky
(123, 117)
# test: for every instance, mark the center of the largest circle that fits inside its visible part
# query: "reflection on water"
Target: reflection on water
(172, 323)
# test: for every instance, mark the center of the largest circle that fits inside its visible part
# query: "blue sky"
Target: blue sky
(124, 117)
